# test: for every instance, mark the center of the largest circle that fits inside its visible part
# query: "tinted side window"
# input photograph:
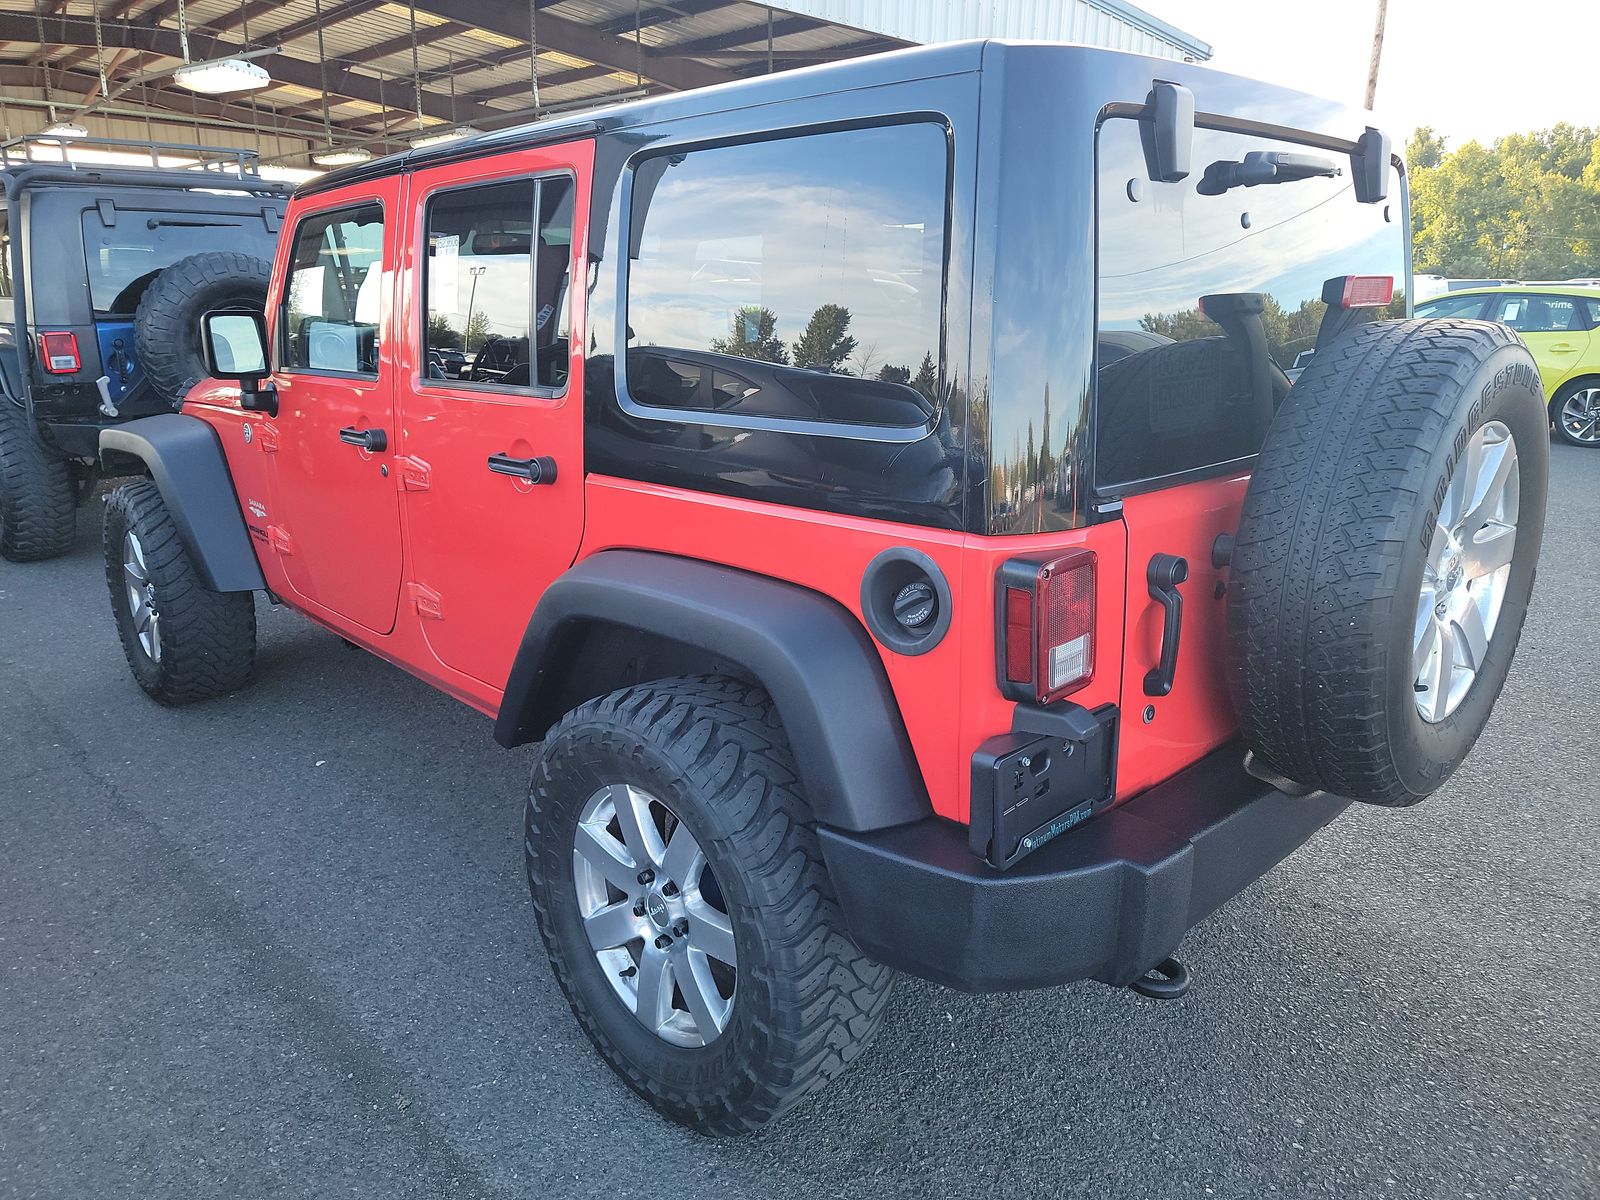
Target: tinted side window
(799, 279)
(1452, 306)
(332, 303)
(1208, 294)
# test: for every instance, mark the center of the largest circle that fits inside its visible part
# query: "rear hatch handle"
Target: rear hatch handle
(1165, 573)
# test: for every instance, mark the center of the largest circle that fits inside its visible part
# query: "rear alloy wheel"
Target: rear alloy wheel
(1575, 412)
(655, 915)
(682, 897)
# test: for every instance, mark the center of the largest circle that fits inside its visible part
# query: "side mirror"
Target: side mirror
(234, 343)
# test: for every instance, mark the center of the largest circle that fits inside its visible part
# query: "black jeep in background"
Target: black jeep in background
(104, 274)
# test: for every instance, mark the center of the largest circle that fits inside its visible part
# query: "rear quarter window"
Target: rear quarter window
(795, 280)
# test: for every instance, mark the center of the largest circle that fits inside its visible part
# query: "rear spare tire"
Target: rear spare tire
(166, 325)
(1385, 556)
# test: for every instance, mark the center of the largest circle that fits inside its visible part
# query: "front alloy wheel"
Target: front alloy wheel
(141, 595)
(1576, 414)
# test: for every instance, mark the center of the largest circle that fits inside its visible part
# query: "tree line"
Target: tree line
(1525, 207)
(825, 344)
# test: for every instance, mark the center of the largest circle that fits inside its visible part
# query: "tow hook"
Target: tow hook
(1167, 980)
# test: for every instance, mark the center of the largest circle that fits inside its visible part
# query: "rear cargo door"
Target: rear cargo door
(1204, 299)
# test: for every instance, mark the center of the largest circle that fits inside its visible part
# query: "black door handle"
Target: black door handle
(374, 440)
(1165, 573)
(541, 469)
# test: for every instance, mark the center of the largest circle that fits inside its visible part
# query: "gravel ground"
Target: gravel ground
(281, 945)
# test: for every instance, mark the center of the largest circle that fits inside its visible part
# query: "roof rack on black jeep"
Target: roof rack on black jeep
(219, 160)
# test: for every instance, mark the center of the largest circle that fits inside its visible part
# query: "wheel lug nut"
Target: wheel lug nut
(647, 877)
(663, 942)
(669, 888)
(680, 927)
(638, 909)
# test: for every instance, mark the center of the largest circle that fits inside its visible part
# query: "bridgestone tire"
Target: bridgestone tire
(806, 1001)
(207, 644)
(1328, 563)
(166, 325)
(38, 499)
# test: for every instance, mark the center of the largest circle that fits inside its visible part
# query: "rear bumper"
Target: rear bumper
(1107, 901)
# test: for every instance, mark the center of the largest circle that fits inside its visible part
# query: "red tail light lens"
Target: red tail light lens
(59, 352)
(1367, 291)
(1047, 626)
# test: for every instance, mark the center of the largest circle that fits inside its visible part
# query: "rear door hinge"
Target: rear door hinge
(415, 475)
(267, 437)
(426, 601)
(278, 538)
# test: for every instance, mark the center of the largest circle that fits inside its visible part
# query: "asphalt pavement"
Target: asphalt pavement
(280, 945)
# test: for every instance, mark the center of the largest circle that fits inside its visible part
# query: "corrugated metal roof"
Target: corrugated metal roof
(1110, 23)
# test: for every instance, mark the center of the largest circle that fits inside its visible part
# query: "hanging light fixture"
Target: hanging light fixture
(221, 75)
(444, 135)
(343, 156)
(65, 129)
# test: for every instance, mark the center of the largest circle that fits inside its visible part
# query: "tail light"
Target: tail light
(60, 353)
(1045, 612)
(1358, 291)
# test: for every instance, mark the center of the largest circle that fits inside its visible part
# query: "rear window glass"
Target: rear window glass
(794, 279)
(123, 258)
(1184, 385)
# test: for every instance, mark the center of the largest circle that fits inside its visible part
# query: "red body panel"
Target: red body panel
(1196, 716)
(484, 546)
(421, 555)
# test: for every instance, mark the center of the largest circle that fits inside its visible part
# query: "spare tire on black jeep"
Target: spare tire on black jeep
(166, 329)
(1385, 556)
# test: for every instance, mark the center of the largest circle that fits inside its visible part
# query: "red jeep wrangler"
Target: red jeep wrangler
(877, 491)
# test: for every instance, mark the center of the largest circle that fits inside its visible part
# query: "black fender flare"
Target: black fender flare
(808, 651)
(186, 463)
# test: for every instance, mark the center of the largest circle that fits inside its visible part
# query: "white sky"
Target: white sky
(1470, 68)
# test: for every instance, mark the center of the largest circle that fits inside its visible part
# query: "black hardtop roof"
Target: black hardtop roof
(872, 70)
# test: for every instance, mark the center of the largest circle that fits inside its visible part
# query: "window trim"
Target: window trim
(849, 431)
(420, 380)
(281, 340)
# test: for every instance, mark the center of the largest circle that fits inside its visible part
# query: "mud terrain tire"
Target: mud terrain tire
(205, 644)
(166, 325)
(711, 753)
(1358, 486)
(38, 499)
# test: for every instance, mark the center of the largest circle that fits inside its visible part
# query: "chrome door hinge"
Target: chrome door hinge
(278, 538)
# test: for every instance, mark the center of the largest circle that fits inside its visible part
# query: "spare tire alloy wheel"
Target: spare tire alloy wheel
(654, 915)
(1576, 413)
(1468, 568)
(141, 592)
(1385, 557)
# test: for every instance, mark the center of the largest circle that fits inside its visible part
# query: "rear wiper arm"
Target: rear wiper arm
(1263, 166)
